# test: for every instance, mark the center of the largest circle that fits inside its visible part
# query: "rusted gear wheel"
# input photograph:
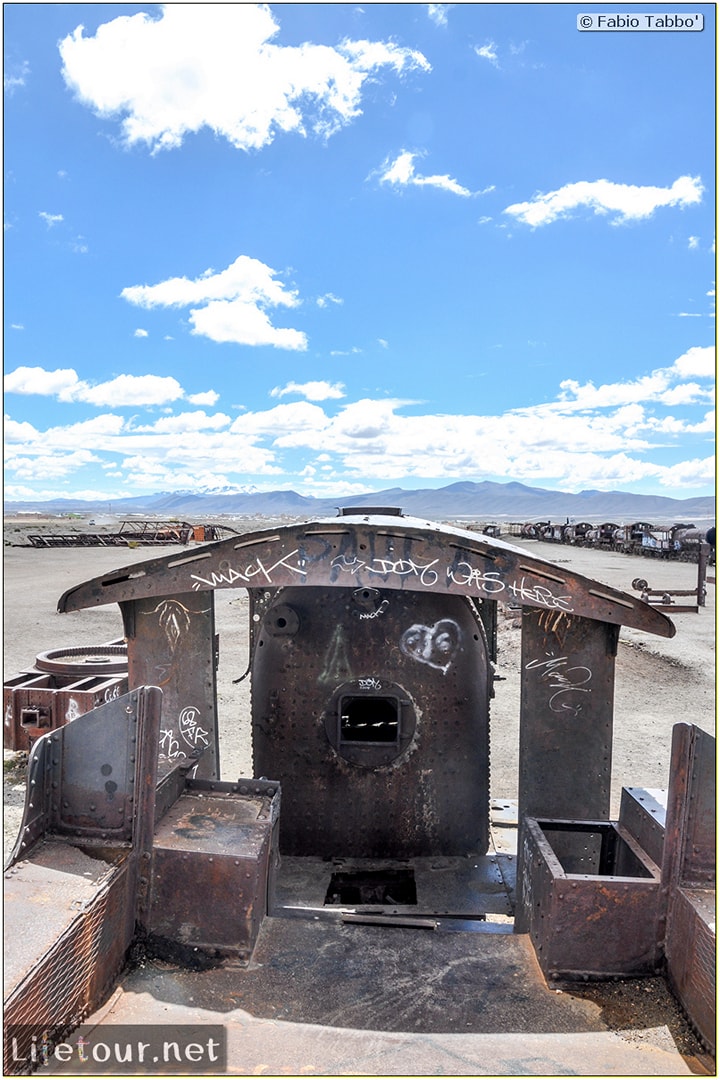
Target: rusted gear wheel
(85, 660)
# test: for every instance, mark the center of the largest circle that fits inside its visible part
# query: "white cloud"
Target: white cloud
(50, 219)
(123, 390)
(233, 303)
(439, 13)
(16, 77)
(401, 173)
(215, 66)
(36, 380)
(626, 202)
(140, 333)
(187, 421)
(328, 298)
(318, 390)
(488, 52)
(693, 242)
(209, 397)
(699, 361)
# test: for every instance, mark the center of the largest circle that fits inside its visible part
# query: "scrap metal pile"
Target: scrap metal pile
(135, 534)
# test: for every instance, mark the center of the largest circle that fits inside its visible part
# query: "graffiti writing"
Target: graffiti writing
(111, 693)
(564, 682)
(432, 645)
(465, 574)
(369, 684)
(228, 575)
(73, 709)
(385, 567)
(539, 594)
(169, 745)
(375, 614)
(190, 729)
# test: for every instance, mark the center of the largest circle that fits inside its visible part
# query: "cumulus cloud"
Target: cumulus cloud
(317, 390)
(50, 219)
(625, 202)
(400, 172)
(140, 333)
(124, 390)
(699, 361)
(232, 303)
(615, 434)
(216, 66)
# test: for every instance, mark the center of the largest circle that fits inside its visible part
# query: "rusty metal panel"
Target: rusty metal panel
(211, 859)
(691, 837)
(689, 875)
(371, 708)
(691, 951)
(590, 924)
(385, 552)
(171, 644)
(88, 779)
(642, 814)
(566, 716)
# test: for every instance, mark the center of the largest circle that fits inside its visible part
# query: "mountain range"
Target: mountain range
(486, 500)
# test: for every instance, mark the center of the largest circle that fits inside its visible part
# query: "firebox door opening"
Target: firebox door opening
(370, 726)
(373, 721)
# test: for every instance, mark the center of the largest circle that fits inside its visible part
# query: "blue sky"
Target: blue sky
(338, 248)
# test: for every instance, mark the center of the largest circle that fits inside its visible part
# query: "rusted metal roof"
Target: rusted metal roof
(387, 551)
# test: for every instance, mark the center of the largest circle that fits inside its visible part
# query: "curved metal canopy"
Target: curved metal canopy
(380, 551)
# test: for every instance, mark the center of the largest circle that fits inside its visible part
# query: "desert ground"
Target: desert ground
(659, 681)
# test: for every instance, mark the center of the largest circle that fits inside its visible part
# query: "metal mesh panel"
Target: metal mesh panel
(70, 980)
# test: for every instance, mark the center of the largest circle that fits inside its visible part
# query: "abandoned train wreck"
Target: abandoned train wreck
(368, 814)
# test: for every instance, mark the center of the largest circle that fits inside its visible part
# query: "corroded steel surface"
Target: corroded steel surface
(390, 553)
(592, 908)
(371, 709)
(92, 779)
(211, 859)
(566, 715)
(171, 644)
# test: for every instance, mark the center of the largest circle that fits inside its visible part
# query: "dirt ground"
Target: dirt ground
(659, 681)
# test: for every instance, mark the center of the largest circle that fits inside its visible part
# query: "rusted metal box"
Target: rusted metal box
(591, 899)
(35, 702)
(213, 853)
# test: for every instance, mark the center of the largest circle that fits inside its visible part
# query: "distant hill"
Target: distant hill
(486, 500)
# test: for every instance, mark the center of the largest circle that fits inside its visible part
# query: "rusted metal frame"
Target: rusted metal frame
(171, 644)
(690, 836)
(589, 925)
(392, 555)
(566, 721)
(689, 877)
(91, 780)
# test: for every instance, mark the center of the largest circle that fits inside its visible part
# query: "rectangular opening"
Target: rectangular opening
(593, 848)
(368, 719)
(393, 887)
